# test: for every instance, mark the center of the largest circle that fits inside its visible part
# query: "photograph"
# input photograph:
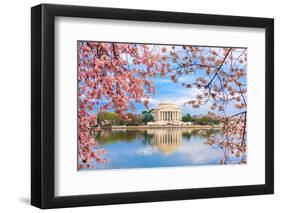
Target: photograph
(133, 105)
(149, 105)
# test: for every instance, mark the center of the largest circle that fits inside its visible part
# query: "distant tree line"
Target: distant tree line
(202, 119)
(105, 118)
(111, 118)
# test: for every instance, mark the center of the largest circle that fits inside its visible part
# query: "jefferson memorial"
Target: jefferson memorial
(166, 114)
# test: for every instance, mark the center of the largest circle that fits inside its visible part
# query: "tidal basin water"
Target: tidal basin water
(166, 147)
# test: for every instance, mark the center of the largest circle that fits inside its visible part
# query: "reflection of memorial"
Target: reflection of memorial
(166, 140)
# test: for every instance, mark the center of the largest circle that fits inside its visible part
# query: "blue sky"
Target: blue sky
(169, 91)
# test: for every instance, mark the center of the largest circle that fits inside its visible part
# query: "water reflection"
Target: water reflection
(145, 148)
(166, 140)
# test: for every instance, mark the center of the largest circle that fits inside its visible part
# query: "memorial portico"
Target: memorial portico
(167, 113)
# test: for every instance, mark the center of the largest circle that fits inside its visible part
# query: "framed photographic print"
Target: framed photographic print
(139, 106)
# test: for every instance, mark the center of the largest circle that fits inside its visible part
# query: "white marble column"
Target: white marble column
(169, 112)
(168, 115)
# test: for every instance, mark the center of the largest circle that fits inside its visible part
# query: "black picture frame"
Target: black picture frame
(43, 105)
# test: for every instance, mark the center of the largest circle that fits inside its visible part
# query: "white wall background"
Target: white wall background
(15, 105)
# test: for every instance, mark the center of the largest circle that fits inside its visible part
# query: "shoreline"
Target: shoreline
(160, 127)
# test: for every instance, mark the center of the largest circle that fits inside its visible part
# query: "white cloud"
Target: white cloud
(180, 97)
(200, 153)
(146, 150)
